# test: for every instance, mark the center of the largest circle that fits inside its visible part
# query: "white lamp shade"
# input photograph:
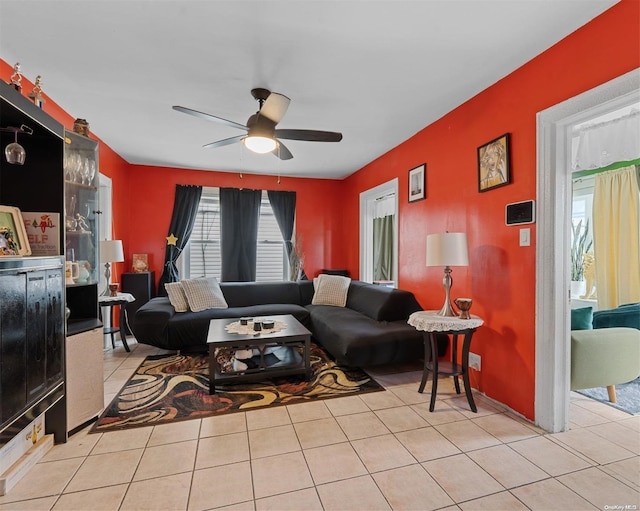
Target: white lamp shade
(447, 249)
(111, 251)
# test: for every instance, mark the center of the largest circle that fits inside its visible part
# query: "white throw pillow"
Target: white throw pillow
(331, 290)
(203, 294)
(176, 296)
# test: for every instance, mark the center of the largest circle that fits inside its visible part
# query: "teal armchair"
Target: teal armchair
(607, 354)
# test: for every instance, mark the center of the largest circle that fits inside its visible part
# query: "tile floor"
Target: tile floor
(382, 450)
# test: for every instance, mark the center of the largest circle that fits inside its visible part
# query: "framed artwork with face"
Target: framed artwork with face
(493, 164)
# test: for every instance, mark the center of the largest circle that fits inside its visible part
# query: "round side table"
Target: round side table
(431, 323)
(121, 299)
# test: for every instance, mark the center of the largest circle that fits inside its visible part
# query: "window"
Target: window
(582, 203)
(202, 255)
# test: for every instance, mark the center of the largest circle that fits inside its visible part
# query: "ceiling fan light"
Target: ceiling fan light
(260, 145)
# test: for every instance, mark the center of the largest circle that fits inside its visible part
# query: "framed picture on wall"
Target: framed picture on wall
(493, 164)
(417, 183)
(13, 237)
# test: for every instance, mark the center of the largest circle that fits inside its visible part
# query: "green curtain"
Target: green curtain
(383, 248)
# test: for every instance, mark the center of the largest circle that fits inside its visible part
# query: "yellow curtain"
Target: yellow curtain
(616, 233)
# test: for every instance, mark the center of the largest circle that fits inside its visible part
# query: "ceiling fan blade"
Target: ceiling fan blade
(275, 107)
(282, 152)
(309, 135)
(224, 142)
(208, 117)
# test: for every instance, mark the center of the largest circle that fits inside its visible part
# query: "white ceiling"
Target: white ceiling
(377, 71)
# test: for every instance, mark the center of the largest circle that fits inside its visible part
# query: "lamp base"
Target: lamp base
(447, 310)
(107, 277)
(447, 282)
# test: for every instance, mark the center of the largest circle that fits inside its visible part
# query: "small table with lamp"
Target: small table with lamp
(432, 324)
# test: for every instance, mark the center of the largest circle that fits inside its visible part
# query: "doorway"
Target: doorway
(379, 234)
(554, 137)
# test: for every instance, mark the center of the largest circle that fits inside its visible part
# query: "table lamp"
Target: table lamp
(447, 249)
(110, 252)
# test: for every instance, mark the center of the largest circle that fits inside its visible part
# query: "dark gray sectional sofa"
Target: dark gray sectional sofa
(371, 330)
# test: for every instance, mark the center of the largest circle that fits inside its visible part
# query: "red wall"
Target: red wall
(501, 274)
(151, 190)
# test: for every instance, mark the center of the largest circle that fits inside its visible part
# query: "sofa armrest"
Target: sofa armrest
(381, 303)
(150, 325)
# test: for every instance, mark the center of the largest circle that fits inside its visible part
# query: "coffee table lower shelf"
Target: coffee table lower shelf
(295, 336)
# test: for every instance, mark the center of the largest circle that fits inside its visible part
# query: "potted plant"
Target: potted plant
(580, 245)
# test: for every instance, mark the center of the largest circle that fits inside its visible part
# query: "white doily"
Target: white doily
(118, 298)
(237, 328)
(431, 321)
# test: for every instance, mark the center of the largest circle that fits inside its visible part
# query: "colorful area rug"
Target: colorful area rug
(167, 388)
(627, 394)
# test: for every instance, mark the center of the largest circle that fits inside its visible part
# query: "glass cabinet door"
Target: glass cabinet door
(81, 209)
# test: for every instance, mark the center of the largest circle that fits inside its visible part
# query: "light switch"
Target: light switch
(525, 237)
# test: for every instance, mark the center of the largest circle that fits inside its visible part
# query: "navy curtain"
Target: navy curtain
(185, 209)
(239, 214)
(283, 205)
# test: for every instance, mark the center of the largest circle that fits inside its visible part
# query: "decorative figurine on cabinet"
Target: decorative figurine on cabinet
(36, 93)
(16, 78)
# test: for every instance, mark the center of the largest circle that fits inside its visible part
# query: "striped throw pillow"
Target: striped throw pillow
(331, 290)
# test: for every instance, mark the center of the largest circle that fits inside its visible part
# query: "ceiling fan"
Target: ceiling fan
(262, 136)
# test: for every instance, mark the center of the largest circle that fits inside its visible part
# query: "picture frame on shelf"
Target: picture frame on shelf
(13, 236)
(140, 263)
(43, 232)
(417, 189)
(494, 164)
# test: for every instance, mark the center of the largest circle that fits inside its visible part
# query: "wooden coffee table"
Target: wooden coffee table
(294, 336)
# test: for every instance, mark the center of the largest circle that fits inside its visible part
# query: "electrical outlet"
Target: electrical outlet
(475, 361)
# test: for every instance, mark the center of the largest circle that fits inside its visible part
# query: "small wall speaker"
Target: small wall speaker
(520, 212)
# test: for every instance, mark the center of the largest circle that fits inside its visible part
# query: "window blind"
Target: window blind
(204, 258)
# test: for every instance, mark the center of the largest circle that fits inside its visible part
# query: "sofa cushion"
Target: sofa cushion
(203, 294)
(242, 294)
(582, 318)
(176, 296)
(331, 290)
(354, 339)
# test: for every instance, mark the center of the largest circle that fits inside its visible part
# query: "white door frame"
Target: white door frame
(105, 224)
(553, 346)
(367, 200)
